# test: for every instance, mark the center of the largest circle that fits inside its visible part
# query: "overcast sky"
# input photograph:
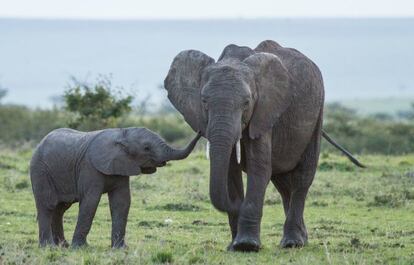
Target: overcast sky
(188, 9)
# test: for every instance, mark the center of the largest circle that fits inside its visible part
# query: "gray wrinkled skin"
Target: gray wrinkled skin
(69, 166)
(272, 99)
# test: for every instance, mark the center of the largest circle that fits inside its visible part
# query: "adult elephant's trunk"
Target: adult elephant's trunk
(171, 153)
(221, 146)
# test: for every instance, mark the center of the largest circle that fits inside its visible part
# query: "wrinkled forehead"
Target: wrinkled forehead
(229, 74)
(139, 133)
(227, 70)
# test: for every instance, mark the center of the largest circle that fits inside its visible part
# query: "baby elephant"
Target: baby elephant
(69, 166)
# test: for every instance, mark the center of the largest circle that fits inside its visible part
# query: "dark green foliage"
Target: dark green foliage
(375, 134)
(95, 106)
(22, 185)
(195, 260)
(151, 224)
(180, 207)
(20, 124)
(3, 93)
(409, 115)
(340, 166)
(162, 257)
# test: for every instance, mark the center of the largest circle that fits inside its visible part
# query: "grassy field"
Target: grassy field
(353, 216)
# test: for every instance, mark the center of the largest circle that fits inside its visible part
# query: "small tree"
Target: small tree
(95, 106)
(3, 93)
(409, 114)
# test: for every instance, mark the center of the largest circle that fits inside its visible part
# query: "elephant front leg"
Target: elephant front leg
(235, 186)
(119, 203)
(258, 165)
(87, 209)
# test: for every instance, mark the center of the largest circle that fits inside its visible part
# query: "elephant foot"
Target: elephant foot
(63, 244)
(79, 244)
(246, 244)
(45, 244)
(230, 247)
(120, 246)
(293, 241)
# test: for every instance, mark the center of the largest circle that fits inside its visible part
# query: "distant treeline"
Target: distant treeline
(91, 107)
(379, 133)
(372, 134)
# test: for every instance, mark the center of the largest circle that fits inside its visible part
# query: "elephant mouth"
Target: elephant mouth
(161, 164)
(149, 169)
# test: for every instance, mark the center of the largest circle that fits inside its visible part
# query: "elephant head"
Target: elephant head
(245, 91)
(132, 151)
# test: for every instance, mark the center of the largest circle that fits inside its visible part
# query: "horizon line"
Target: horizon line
(80, 18)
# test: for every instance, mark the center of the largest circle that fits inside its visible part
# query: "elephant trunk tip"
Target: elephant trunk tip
(224, 206)
(178, 154)
(222, 201)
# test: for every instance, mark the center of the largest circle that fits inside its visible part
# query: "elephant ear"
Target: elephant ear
(109, 154)
(274, 93)
(183, 84)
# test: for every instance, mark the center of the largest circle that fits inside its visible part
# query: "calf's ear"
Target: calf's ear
(109, 154)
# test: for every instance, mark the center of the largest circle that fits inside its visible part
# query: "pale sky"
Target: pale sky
(190, 9)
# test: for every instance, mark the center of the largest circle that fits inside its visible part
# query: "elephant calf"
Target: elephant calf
(69, 166)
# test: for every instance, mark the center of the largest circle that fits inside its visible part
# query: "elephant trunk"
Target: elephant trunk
(171, 153)
(221, 146)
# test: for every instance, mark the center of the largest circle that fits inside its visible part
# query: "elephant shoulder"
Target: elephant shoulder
(290, 57)
(300, 67)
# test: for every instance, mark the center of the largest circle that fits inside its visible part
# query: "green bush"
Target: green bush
(95, 106)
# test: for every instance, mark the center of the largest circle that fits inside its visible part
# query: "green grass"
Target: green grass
(353, 216)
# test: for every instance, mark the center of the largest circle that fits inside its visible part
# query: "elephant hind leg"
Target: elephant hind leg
(300, 179)
(282, 184)
(57, 224)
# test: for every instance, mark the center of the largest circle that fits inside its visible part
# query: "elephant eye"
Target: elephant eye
(204, 101)
(147, 148)
(246, 103)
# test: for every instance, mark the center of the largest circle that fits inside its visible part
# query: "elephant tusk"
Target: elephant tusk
(208, 150)
(238, 152)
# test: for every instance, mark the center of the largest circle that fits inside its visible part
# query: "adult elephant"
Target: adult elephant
(270, 100)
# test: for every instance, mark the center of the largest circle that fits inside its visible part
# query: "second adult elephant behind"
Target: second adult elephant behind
(265, 104)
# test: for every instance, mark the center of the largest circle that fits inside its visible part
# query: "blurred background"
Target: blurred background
(94, 64)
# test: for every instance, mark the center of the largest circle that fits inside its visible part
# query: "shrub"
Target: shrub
(3, 93)
(95, 106)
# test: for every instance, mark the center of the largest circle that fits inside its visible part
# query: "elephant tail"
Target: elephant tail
(343, 150)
